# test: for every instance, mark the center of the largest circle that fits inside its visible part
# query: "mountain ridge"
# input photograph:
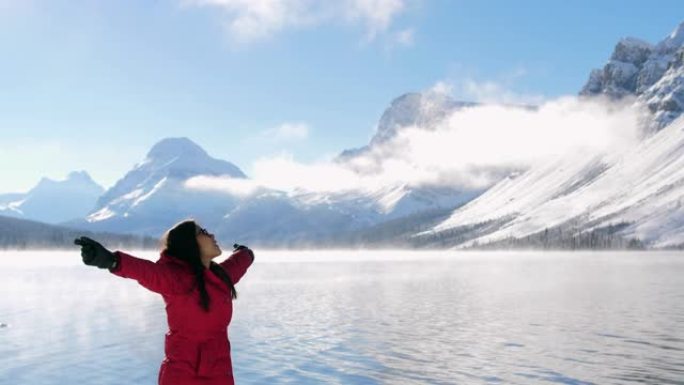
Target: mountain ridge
(76, 196)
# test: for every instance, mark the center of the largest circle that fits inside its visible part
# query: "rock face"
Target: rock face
(651, 73)
(622, 75)
(665, 99)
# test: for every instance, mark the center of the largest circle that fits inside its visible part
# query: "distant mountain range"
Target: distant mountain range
(155, 195)
(53, 201)
(620, 200)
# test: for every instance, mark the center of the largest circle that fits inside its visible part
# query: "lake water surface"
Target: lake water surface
(357, 317)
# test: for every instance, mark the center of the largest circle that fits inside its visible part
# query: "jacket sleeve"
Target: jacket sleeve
(159, 278)
(236, 265)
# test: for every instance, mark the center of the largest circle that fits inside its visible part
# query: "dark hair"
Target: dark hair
(181, 242)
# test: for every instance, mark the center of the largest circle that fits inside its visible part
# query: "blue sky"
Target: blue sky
(93, 85)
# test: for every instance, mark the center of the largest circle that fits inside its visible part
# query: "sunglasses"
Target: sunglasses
(203, 231)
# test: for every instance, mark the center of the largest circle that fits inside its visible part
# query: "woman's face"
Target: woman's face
(207, 243)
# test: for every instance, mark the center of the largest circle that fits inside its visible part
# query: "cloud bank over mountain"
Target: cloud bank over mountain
(471, 147)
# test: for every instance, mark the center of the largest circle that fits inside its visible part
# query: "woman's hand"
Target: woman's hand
(237, 247)
(94, 254)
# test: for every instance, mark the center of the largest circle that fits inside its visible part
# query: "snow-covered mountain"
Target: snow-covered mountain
(652, 73)
(156, 193)
(275, 218)
(641, 190)
(637, 192)
(418, 109)
(153, 195)
(170, 159)
(54, 201)
(425, 110)
(310, 218)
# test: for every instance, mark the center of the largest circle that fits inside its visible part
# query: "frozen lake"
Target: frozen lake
(359, 317)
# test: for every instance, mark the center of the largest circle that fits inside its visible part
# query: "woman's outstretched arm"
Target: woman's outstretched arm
(236, 265)
(159, 278)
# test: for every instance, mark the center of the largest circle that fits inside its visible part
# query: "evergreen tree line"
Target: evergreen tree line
(567, 238)
(397, 233)
(21, 234)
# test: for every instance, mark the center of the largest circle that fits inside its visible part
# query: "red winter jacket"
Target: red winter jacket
(197, 347)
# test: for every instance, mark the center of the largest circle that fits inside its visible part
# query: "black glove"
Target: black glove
(237, 247)
(94, 254)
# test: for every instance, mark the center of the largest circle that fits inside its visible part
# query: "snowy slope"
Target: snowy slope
(641, 187)
(387, 202)
(54, 201)
(278, 218)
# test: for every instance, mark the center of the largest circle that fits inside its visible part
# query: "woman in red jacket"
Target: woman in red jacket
(198, 294)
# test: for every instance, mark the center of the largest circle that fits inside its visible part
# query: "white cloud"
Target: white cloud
(472, 148)
(495, 92)
(405, 37)
(442, 88)
(253, 20)
(282, 172)
(375, 14)
(501, 89)
(234, 186)
(250, 20)
(288, 131)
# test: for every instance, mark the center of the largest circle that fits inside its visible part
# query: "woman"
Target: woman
(198, 294)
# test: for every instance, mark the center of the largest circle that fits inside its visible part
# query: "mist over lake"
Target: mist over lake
(359, 317)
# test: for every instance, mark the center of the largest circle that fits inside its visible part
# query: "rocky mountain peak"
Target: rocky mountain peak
(674, 41)
(632, 50)
(176, 159)
(652, 74)
(422, 109)
(170, 148)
